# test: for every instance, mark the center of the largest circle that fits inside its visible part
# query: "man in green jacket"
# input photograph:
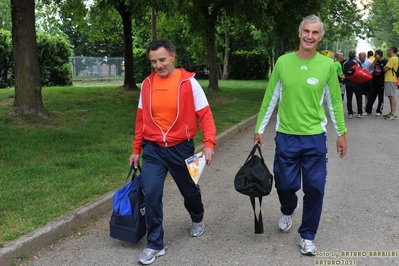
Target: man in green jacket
(300, 84)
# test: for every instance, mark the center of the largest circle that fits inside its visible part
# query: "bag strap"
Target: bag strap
(134, 170)
(253, 152)
(260, 151)
(394, 71)
(258, 220)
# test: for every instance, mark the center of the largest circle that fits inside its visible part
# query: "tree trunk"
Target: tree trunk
(126, 15)
(213, 70)
(226, 65)
(28, 89)
(271, 66)
(154, 24)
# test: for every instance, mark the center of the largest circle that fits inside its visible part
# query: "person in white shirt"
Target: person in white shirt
(365, 63)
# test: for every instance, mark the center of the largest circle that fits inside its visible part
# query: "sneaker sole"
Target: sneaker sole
(146, 262)
(309, 253)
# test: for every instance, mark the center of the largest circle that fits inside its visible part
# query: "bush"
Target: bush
(6, 60)
(142, 66)
(54, 60)
(249, 65)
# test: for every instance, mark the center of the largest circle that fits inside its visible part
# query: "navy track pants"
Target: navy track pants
(301, 158)
(156, 162)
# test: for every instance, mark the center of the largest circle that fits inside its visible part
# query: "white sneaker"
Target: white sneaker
(307, 247)
(285, 222)
(197, 229)
(149, 255)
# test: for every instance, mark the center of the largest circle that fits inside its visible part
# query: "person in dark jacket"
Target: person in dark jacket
(377, 83)
(352, 87)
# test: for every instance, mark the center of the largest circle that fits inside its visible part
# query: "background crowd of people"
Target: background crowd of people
(384, 81)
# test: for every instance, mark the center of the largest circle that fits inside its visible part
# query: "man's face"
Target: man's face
(390, 53)
(362, 57)
(162, 62)
(310, 35)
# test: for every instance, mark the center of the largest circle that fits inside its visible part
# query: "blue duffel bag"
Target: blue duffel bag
(128, 215)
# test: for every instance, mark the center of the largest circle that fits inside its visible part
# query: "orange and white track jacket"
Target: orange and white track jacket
(191, 104)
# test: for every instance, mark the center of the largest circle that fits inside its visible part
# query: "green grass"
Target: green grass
(51, 167)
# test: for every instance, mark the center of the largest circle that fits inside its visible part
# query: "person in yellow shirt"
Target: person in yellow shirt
(370, 56)
(390, 80)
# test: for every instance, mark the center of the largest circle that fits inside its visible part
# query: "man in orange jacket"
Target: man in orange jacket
(171, 101)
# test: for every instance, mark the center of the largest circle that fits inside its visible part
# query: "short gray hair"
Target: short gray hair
(312, 19)
(337, 54)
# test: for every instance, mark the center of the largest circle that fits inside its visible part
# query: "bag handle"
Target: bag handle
(134, 170)
(253, 152)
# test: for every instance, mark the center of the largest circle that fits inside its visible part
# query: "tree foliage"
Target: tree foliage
(209, 31)
(345, 22)
(384, 20)
(6, 60)
(206, 33)
(203, 18)
(129, 9)
(5, 15)
(106, 31)
(68, 18)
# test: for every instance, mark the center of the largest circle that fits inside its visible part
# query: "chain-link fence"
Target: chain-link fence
(97, 67)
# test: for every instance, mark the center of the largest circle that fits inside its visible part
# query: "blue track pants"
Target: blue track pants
(156, 162)
(301, 158)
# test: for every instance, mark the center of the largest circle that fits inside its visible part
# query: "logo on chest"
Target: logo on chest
(304, 67)
(312, 81)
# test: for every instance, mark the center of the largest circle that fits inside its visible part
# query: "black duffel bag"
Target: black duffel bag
(254, 180)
